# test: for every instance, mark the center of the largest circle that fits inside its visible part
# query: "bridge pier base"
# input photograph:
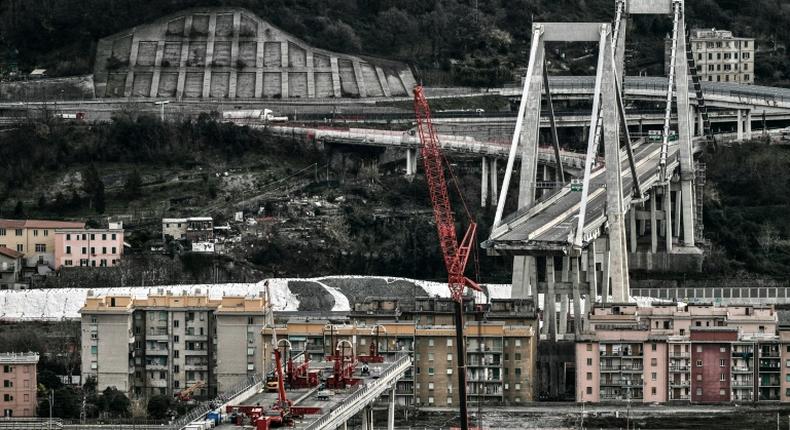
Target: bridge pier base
(367, 418)
(550, 302)
(493, 181)
(484, 183)
(391, 410)
(411, 162)
(740, 126)
(748, 124)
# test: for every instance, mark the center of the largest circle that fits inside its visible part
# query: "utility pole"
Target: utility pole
(51, 401)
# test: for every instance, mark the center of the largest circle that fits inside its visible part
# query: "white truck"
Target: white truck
(247, 115)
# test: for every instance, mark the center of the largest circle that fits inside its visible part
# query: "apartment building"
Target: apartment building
(721, 57)
(94, 247)
(671, 353)
(11, 269)
(18, 392)
(194, 229)
(163, 344)
(501, 344)
(34, 238)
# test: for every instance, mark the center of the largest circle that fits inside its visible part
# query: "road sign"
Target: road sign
(576, 185)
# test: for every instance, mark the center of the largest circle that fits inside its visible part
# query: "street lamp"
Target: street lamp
(162, 108)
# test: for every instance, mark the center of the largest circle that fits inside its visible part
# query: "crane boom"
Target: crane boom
(455, 254)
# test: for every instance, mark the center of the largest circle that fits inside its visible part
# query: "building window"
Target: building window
(8, 397)
(430, 356)
(94, 349)
(113, 236)
(175, 353)
(103, 249)
(103, 263)
(653, 346)
(35, 232)
(68, 250)
(19, 247)
(699, 347)
(430, 341)
(699, 363)
(589, 376)
(721, 363)
(699, 376)
(175, 323)
(93, 250)
(68, 263)
(8, 369)
(654, 362)
(176, 369)
(721, 392)
(104, 236)
(722, 377)
(653, 376)
(430, 386)
(18, 232)
(250, 351)
(430, 371)
(449, 357)
(589, 390)
(7, 383)
(722, 349)
(653, 391)
(2, 232)
(589, 361)
(41, 247)
(699, 391)
(589, 347)
(93, 236)
(517, 356)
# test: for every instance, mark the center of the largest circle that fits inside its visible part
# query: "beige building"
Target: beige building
(34, 238)
(18, 392)
(166, 343)
(721, 57)
(500, 351)
(11, 269)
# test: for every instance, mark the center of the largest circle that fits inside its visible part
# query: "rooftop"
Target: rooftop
(19, 358)
(10, 252)
(38, 223)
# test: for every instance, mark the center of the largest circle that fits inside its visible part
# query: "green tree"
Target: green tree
(158, 406)
(19, 209)
(94, 187)
(114, 403)
(132, 186)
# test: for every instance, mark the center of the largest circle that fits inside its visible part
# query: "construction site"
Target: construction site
(342, 352)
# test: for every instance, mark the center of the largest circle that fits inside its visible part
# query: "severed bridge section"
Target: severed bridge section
(575, 243)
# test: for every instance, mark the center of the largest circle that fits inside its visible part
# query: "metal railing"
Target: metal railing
(359, 392)
(206, 406)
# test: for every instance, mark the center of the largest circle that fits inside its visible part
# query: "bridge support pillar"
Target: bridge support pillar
(700, 124)
(740, 126)
(653, 223)
(592, 278)
(367, 418)
(632, 226)
(493, 181)
(550, 300)
(391, 411)
(411, 162)
(605, 278)
(668, 218)
(748, 124)
(578, 318)
(563, 325)
(484, 183)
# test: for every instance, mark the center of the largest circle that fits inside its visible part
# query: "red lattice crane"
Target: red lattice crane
(456, 254)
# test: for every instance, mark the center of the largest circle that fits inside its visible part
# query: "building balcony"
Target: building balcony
(742, 370)
(158, 336)
(191, 352)
(483, 380)
(679, 355)
(742, 384)
(486, 394)
(157, 383)
(196, 337)
(610, 368)
(632, 369)
(680, 397)
(196, 366)
(157, 351)
(156, 366)
(679, 368)
(620, 354)
(679, 384)
(769, 354)
(770, 369)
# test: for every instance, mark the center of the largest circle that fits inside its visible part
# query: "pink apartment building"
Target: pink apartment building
(89, 247)
(18, 392)
(687, 353)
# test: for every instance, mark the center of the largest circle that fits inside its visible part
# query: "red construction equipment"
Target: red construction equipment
(455, 254)
(373, 355)
(345, 363)
(300, 375)
(186, 394)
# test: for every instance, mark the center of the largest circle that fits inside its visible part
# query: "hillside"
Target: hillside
(468, 42)
(318, 211)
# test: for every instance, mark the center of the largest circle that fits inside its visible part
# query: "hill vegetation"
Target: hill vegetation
(470, 42)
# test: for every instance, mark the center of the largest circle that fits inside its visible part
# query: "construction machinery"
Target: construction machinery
(456, 255)
(185, 395)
